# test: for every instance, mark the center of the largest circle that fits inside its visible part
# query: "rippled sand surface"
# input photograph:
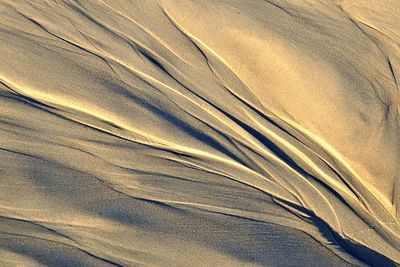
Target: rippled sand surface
(199, 133)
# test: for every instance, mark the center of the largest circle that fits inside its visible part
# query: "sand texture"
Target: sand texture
(199, 133)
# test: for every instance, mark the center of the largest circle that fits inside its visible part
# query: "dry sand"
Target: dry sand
(199, 132)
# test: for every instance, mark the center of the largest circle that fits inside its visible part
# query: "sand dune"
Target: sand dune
(199, 133)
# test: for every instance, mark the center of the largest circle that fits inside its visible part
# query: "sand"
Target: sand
(199, 133)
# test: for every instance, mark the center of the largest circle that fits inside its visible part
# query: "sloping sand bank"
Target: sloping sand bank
(209, 132)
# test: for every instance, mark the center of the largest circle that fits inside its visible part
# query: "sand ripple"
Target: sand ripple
(211, 133)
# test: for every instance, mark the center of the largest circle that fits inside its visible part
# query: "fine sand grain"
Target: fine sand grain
(199, 132)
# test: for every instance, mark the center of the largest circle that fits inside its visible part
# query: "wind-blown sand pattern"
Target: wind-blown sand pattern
(207, 132)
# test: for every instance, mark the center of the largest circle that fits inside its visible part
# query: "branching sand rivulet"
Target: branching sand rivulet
(199, 133)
